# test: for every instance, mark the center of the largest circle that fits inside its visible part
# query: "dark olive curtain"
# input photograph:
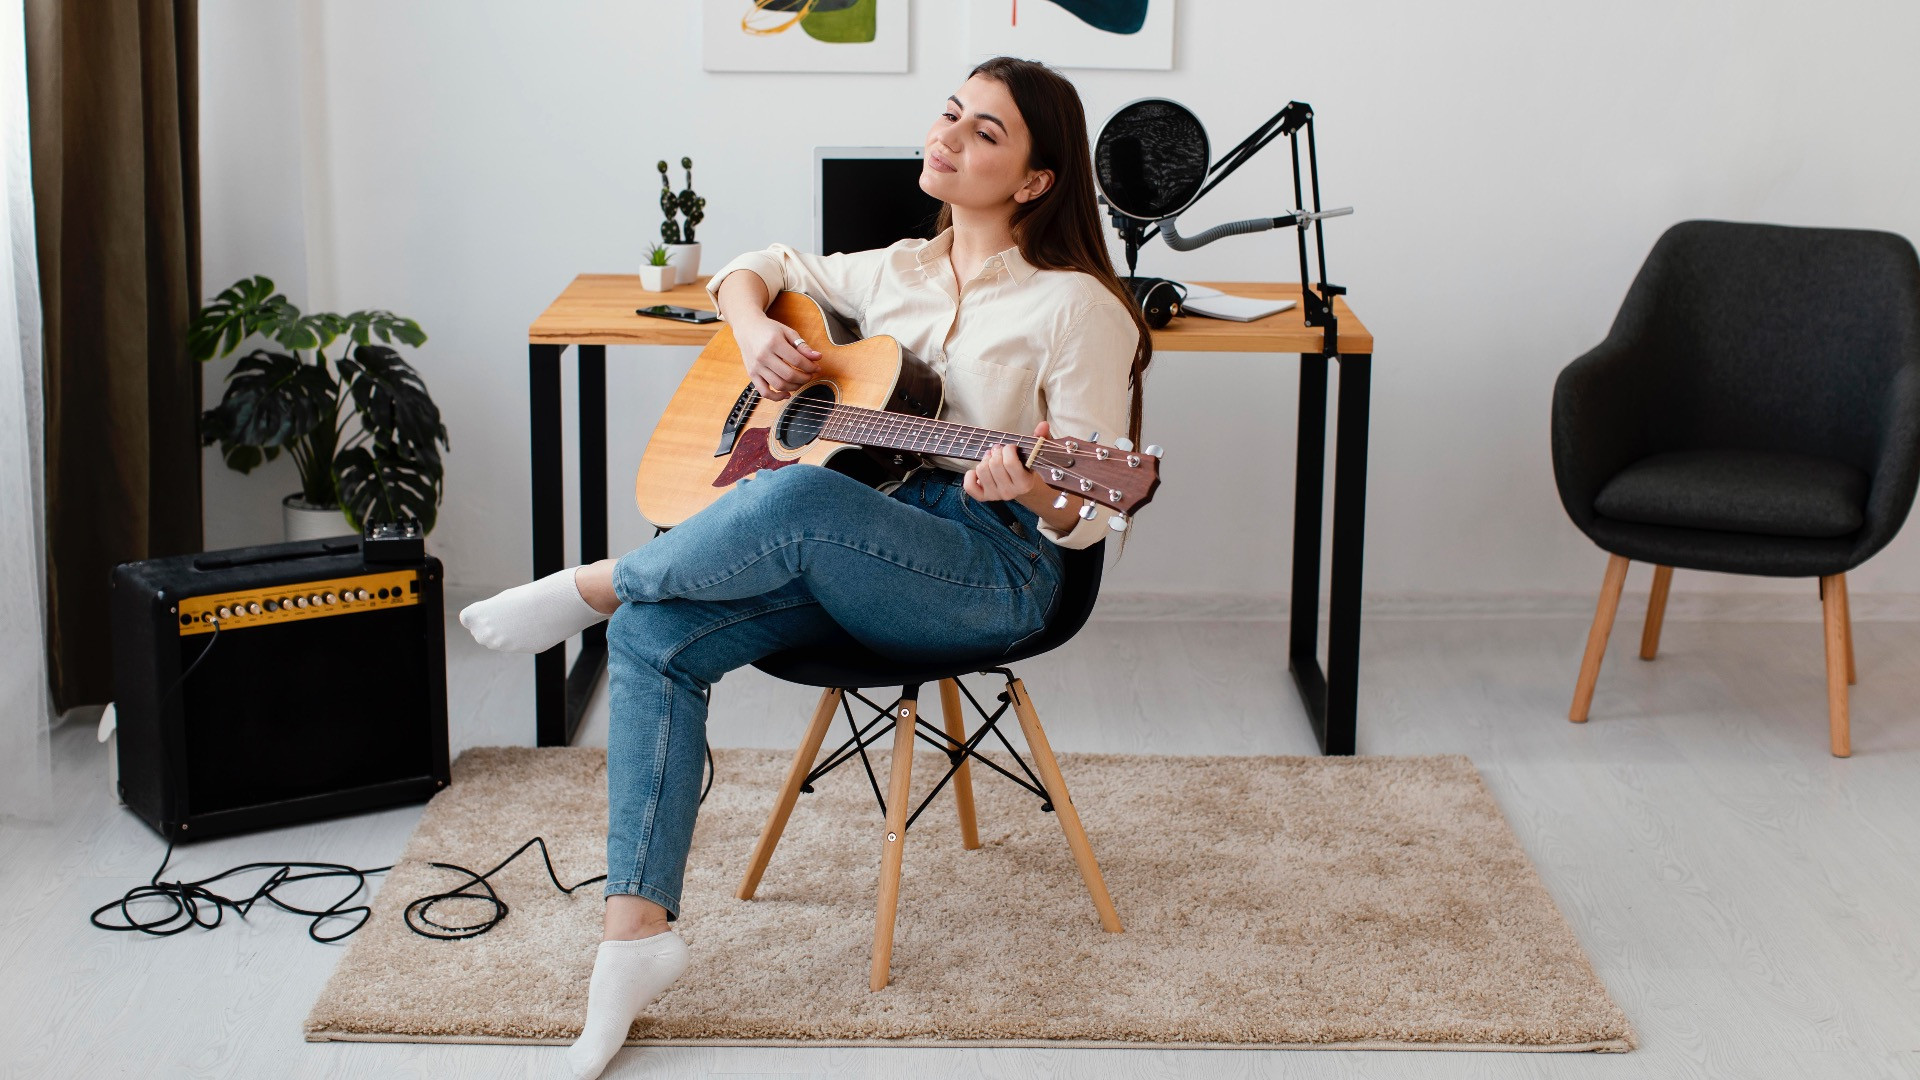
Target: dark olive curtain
(114, 107)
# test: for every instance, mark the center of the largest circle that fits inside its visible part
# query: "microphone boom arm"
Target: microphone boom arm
(1301, 218)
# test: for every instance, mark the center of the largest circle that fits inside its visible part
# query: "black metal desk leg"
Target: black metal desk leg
(549, 530)
(1349, 544)
(592, 661)
(1303, 603)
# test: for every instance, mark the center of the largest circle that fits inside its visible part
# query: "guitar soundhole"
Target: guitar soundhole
(800, 421)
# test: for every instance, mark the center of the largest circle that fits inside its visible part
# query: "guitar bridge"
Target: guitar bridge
(736, 418)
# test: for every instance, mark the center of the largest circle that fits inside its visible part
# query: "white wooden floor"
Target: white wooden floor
(1752, 903)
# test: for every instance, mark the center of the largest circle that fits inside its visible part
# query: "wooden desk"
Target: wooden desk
(597, 310)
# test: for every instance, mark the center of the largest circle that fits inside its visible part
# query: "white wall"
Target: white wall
(1512, 163)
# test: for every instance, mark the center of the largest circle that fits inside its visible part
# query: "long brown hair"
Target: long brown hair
(1061, 229)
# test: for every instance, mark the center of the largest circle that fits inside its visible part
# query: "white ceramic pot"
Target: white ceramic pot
(304, 521)
(686, 260)
(658, 278)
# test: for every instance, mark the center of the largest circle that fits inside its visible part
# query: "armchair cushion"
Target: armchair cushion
(1769, 492)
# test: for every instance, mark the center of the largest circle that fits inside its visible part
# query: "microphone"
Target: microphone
(1177, 242)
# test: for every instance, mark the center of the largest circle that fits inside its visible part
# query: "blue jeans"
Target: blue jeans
(796, 556)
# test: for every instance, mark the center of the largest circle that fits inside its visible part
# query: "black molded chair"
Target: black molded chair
(844, 670)
(1754, 410)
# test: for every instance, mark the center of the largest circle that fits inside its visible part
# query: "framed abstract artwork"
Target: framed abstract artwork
(803, 35)
(1075, 33)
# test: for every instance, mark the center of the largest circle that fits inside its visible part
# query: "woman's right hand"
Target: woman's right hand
(776, 365)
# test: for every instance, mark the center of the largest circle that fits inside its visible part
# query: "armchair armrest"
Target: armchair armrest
(1897, 468)
(1607, 407)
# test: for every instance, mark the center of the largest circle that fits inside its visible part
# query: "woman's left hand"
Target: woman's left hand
(1002, 475)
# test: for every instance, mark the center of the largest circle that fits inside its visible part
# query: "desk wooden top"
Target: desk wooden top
(598, 309)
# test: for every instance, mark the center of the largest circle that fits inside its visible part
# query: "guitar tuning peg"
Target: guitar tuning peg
(1095, 437)
(1123, 445)
(1061, 502)
(1086, 511)
(1118, 523)
(1153, 450)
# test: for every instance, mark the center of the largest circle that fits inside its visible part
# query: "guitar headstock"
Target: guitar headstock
(1118, 477)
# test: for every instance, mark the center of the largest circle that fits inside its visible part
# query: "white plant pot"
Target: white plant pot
(685, 259)
(304, 521)
(658, 278)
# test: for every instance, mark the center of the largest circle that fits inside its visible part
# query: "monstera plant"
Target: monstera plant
(359, 425)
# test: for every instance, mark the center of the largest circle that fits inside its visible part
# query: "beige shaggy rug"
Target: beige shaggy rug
(1268, 901)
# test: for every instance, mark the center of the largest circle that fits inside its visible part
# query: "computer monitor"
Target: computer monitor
(869, 197)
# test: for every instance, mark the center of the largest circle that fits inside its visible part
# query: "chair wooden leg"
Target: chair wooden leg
(1834, 603)
(1610, 587)
(1846, 626)
(963, 776)
(894, 843)
(1056, 785)
(796, 777)
(1656, 612)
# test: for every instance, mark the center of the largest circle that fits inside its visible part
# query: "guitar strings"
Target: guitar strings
(1038, 459)
(904, 425)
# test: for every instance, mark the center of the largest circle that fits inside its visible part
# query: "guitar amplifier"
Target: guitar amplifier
(266, 686)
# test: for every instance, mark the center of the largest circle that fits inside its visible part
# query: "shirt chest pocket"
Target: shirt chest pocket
(988, 394)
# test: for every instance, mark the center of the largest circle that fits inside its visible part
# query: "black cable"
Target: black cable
(709, 784)
(192, 899)
(418, 916)
(182, 677)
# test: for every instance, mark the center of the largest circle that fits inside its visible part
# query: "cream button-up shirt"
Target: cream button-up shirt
(1016, 346)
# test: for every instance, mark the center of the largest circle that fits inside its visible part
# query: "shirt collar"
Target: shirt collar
(1015, 264)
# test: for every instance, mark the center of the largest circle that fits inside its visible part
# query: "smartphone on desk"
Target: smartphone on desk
(678, 313)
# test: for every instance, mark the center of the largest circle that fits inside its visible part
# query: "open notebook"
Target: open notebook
(1215, 304)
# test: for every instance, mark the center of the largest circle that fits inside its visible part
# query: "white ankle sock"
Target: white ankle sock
(627, 977)
(531, 618)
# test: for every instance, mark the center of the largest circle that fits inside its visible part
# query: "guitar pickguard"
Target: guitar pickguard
(751, 452)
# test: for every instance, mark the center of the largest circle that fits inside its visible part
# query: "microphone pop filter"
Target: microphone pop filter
(1151, 158)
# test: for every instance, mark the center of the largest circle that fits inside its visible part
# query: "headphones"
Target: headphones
(1159, 299)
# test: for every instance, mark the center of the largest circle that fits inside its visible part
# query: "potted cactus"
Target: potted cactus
(657, 273)
(684, 252)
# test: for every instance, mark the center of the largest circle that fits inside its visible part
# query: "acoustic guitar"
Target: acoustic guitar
(869, 413)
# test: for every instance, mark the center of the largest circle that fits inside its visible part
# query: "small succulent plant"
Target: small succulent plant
(657, 255)
(685, 204)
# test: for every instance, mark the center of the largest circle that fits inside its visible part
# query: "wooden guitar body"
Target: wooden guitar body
(717, 429)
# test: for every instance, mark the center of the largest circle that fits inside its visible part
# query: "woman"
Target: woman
(1016, 304)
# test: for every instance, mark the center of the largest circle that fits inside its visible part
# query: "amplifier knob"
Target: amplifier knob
(314, 599)
(362, 594)
(330, 598)
(299, 601)
(254, 608)
(273, 605)
(224, 612)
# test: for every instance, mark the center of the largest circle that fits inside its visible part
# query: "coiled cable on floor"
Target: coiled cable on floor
(194, 904)
(419, 913)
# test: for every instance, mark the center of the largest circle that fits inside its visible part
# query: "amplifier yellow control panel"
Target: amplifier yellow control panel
(301, 600)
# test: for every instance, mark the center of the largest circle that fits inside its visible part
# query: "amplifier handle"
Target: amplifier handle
(334, 547)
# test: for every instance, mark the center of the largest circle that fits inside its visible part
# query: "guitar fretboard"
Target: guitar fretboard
(898, 431)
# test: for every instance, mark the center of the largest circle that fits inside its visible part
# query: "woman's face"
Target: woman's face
(977, 150)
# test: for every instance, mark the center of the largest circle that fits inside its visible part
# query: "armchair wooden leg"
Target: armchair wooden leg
(894, 843)
(790, 792)
(1834, 603)
(1610, 587)
(1656, 612)
(1056, 785)
(962, 776)
(1846, 625)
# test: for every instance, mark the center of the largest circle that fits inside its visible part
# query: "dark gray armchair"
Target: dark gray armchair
(1754, 410)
